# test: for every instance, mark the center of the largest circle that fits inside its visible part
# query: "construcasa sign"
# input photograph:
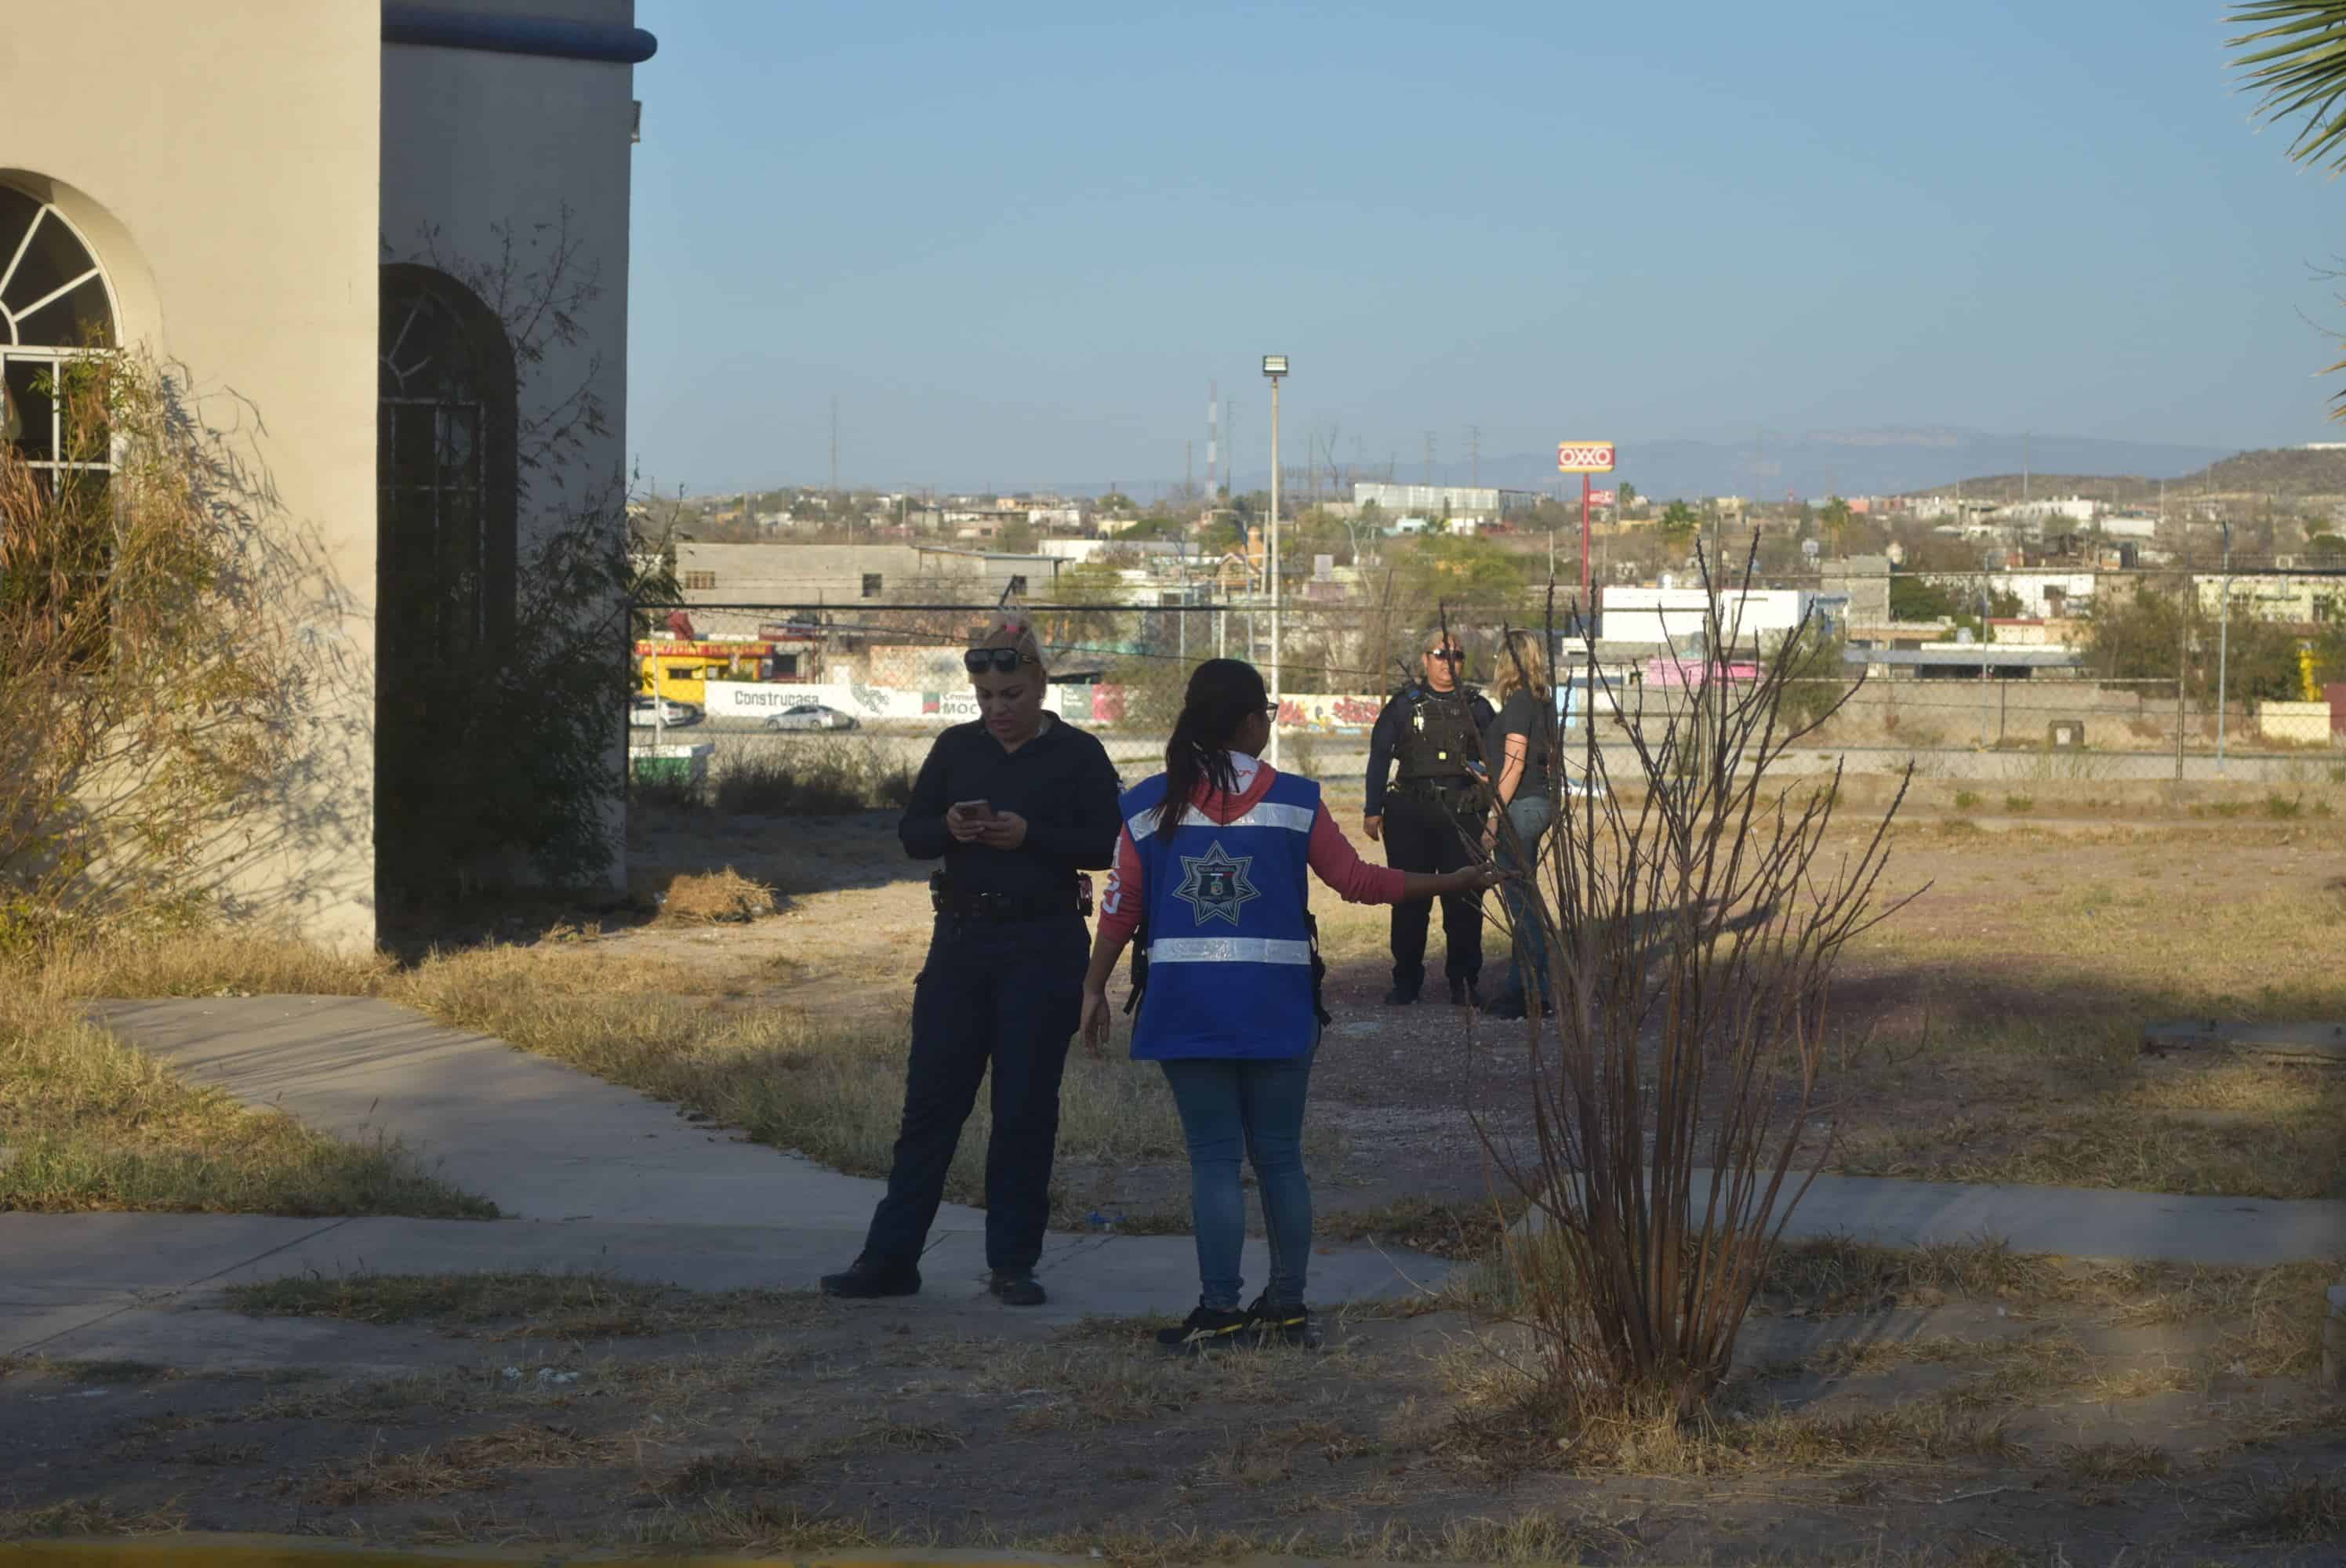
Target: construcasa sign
(871, 704)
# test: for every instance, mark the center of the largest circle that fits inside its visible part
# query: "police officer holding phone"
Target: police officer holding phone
(1016, 805)
(1431, 818)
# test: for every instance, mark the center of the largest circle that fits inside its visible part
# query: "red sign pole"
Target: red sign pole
(1583, 547)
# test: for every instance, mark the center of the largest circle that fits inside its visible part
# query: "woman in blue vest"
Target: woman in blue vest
(1210, 868)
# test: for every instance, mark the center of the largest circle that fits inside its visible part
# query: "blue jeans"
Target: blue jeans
(1529, 815)
(1254, 1107)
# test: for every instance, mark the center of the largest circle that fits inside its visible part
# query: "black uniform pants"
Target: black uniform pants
(1425, 833)
(1002, 994)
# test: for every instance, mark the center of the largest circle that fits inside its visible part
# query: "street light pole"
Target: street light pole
(1275, 367)
(2223, 650)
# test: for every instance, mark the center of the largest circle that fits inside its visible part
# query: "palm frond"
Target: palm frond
(2295, 55)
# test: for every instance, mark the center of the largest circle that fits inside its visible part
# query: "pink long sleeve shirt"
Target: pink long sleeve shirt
(1331, 853)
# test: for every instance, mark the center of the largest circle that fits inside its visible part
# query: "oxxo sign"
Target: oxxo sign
(1583, 457)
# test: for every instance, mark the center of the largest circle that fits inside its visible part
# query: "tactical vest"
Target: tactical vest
(1226, 919)
(1438, 736)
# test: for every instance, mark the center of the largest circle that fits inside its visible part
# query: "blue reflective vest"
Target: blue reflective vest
(1229, 942)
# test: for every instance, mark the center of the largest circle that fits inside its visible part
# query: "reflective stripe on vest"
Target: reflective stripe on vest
(1227, 950)
(1262, 814)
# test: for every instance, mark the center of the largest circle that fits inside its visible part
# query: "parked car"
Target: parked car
(811, 716)
(641, 714)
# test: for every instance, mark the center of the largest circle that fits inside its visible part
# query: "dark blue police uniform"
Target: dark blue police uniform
(1003, 987)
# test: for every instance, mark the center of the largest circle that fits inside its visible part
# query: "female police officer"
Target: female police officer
(1015, 803)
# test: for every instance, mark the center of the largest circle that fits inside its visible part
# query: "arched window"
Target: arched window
(444, 468)
(445, 548)
(54, 304)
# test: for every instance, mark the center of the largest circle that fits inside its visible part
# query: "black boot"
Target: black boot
(1461, 991)
(1016, 1288)
(865, 1281)
(1401, 996)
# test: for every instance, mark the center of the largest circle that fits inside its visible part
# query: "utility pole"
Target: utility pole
(2182, 653)
(1275, 367)
(1475, 455)
(2224, 649)
(1213, 433)
(1230, 452)
(1189, 469)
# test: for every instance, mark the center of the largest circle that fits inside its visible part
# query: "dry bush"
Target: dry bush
(813, 776)
(716, 898)
(147, 683)
(1692, 920)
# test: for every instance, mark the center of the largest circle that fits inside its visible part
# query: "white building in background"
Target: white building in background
(1766, 615)
(309, 202)
(2063, 509)
(1674, 617)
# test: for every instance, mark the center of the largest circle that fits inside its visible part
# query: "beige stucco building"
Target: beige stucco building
(312, 208)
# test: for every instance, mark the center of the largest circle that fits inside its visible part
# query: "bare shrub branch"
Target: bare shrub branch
(1691, 916)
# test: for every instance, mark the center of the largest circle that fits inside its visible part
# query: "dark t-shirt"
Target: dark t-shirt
(1532, 717)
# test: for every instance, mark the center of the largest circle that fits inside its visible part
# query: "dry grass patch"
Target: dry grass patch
(1510, 1425)
(93, 1124)
(716, 898)
(88, 1516)
(832, 1091)
(2114, 1463)
(762, 1526)
(497, 1306)
(745, 1470)
(397, 1478)
(1455, 1230)
(2290, 1510)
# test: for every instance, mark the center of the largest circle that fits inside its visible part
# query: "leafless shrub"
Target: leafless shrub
(1692, 920)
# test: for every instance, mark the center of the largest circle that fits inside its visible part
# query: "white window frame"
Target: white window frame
(54, 356)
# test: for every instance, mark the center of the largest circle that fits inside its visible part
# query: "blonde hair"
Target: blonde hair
(1015, 629)
(1522, 663)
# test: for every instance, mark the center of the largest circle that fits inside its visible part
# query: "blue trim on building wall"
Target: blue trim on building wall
(446, 29)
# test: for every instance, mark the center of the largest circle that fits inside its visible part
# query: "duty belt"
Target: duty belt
(947, 899)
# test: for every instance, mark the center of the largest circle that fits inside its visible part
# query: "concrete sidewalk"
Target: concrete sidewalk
(538, 1139)
(597, 1179)
(105, 1286)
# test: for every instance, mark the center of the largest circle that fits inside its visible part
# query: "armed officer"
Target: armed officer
(1430, 818)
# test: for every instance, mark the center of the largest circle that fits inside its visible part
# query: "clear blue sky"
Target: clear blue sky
(1016, 241)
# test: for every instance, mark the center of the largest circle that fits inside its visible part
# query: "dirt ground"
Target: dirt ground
(1989, 1031)
(1979, 1427)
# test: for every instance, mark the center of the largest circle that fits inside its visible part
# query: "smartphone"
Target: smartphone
(982, 809)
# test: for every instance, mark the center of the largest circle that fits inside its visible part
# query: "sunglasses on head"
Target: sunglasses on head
(978, 661)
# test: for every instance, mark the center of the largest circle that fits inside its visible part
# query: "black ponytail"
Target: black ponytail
(1222, 693)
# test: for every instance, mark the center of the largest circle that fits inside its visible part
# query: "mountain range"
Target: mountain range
(1886, 462)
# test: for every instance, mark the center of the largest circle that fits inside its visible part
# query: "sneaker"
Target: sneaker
(1284, 1325)
(865, 1281)
(1401, 996)
(1207, 1329)
(1016, 1288)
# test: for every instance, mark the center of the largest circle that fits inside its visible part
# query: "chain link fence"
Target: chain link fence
(726, 691)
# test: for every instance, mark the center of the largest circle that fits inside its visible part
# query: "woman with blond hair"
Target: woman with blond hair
(1522, 744)
(1016, 804)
